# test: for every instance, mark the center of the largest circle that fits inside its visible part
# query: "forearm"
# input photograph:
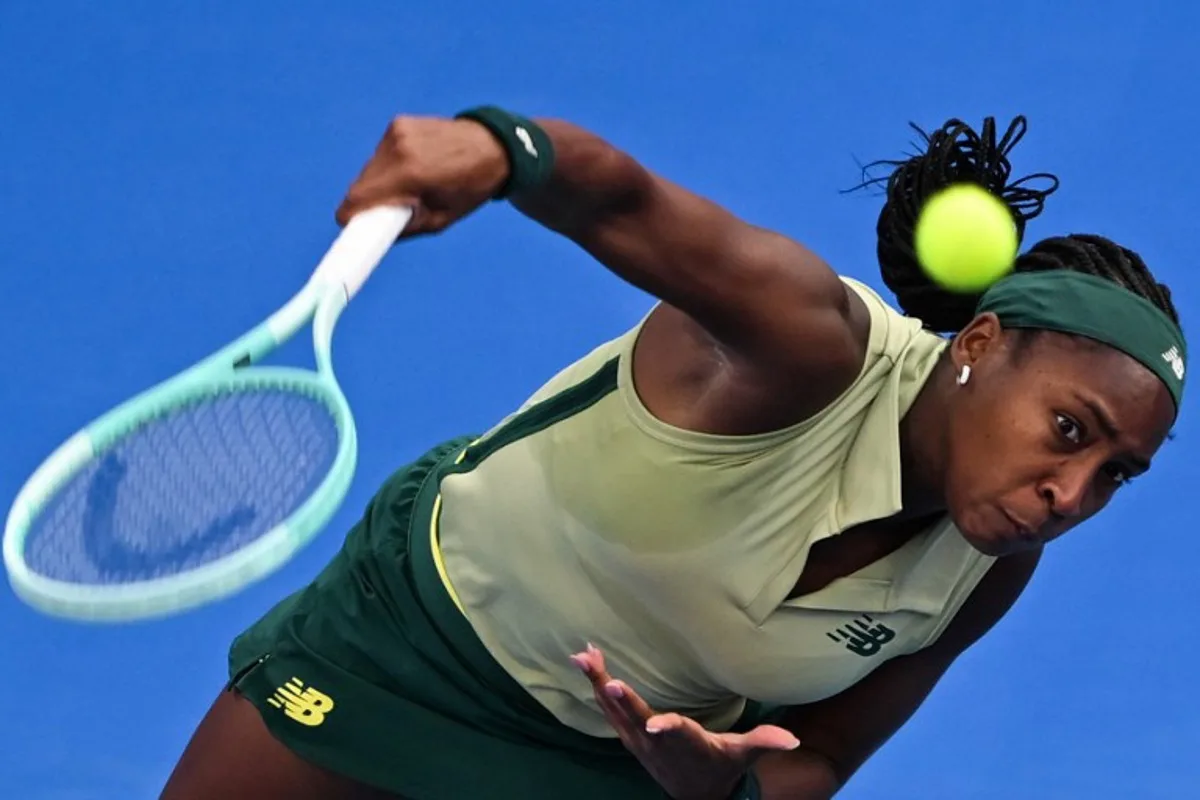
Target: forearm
(796, 775)
(592, 180)
(755, 291)
(666, 240)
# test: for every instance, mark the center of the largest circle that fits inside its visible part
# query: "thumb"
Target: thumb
(763, 738)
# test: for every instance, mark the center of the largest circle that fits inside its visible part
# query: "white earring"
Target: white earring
(964, 375)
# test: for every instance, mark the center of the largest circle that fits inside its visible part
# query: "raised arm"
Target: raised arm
(749, 316)
(752, 289)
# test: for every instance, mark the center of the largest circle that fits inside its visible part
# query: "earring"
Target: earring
(964, 375)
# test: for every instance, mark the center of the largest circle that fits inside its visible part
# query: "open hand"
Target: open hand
(689, 762)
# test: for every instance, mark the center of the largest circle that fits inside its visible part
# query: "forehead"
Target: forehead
(1135, 397)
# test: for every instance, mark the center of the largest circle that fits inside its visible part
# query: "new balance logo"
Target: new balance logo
(863, 636)
(526, 140)
(1173, 358)
(306, 706)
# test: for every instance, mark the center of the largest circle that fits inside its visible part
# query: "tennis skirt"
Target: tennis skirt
(372, 672)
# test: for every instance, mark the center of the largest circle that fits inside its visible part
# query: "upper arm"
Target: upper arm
(847, 728)
(773, 309)
(755, 291)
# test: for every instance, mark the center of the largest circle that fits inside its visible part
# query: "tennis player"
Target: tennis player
(730, 552)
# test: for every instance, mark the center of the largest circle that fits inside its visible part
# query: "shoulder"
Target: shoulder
(889, 331)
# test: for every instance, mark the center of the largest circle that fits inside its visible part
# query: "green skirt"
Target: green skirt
(372, 672)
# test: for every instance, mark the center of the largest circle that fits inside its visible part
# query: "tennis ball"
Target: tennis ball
(965, 238)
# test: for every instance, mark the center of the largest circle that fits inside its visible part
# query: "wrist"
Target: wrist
(524, 149)
(492, 160)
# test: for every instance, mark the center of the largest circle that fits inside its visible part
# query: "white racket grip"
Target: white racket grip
(361, 245)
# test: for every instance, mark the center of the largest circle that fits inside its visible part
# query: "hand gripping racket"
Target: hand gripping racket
(208, 481)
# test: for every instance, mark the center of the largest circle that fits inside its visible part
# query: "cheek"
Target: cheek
(994, 449)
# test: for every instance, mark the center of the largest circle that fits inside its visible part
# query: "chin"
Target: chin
(991, 546)
(988, 541)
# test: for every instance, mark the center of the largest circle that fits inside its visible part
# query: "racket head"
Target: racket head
(183, 495)
(57, 564)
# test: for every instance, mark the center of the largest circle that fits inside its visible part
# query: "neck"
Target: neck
(923, 444)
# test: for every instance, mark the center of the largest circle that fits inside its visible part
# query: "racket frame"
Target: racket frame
(338, 277)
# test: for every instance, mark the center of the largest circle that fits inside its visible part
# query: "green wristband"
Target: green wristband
(530, 151)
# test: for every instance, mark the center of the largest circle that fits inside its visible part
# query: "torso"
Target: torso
(692, 387)
(710, 567)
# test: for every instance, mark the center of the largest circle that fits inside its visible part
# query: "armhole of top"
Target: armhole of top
(717, 444)
(968, 583)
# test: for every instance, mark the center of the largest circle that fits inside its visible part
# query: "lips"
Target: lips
(1020, 529)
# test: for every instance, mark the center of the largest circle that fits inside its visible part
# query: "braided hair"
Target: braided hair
(955, 153)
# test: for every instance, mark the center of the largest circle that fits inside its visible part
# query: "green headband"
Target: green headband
(1072, 302)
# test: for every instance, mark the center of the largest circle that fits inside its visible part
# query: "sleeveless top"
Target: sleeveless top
(588, 519)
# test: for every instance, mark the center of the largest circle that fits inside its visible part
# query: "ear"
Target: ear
(983, 335)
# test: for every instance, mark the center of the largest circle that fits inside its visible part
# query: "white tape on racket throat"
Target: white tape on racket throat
(360, 247)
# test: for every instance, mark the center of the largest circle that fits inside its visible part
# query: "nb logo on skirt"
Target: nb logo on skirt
(305, 705)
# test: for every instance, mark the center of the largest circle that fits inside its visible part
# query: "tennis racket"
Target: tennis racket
(208, 481)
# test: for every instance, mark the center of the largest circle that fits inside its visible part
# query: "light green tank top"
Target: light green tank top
(674, 551)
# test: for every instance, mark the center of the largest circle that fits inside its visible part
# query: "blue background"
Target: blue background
(169, 172)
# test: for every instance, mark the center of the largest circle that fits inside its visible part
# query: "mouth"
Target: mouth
(1020, 529)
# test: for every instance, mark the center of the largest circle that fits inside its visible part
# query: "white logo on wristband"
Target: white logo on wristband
(526, 140)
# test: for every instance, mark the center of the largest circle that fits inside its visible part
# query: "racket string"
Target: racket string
(186, 488)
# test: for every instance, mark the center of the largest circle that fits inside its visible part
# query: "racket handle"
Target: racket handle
(361, 245)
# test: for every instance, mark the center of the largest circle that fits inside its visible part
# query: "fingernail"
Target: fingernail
(578, 660)
(591, 648)
(654, 727)
(794, 744)
(614, 689)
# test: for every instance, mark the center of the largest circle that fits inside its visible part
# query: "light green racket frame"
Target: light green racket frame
(341, 273)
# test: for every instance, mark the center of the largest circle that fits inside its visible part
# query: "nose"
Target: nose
(1066, 491)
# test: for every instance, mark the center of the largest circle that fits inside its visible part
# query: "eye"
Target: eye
(1118, 474)
(1070, 430)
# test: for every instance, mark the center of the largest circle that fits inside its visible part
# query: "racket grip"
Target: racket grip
(360, 247)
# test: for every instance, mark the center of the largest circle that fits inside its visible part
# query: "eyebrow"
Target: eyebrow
(1110, 429)
(1103, 417)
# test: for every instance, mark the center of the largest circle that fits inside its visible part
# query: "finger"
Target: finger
(632, 709)
(630, 703)
(771, 737)
(360, 198)
(591, 662)
(614, 712)
(625, 710)
(668, 724)
(678, 737)
(583, 660)
(597, 656)
(763, 739)
(606, 701)
(607, 697)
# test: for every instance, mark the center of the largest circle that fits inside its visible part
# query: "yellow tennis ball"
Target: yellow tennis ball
(965, 238)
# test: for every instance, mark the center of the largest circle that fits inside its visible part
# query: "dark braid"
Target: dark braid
(955, 153)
